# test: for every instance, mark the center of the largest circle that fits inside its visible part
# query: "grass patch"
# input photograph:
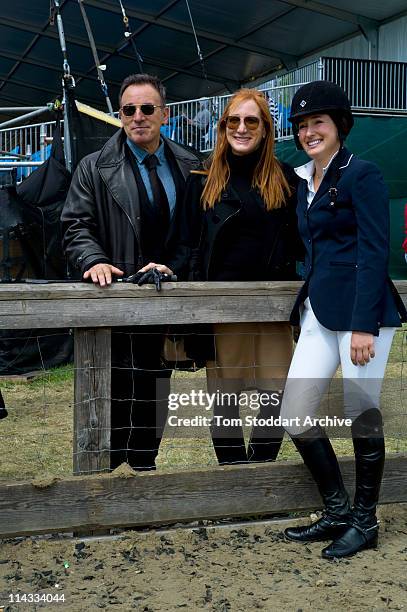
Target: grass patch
(36, 437)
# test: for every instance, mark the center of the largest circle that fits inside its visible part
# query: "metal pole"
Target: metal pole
(28, 154)
(43, 133)
(18, 164)
(13, 155)
(67, 129)
(67, 81)
(19, 109)
(321, 69)
(18, 120)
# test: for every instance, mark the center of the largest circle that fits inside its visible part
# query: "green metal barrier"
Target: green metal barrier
(381, 140)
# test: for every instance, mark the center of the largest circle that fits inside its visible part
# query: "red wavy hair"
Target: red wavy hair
(268, 177)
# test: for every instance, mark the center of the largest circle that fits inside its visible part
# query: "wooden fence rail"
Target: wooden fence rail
(105, 501)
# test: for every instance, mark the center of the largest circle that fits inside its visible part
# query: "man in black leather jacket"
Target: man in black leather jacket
(120, 217)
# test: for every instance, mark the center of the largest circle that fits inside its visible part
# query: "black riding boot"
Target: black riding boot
(319, 457)
(229, 451)
(227, 434)
(3, 411)
(368, 444)
(265, 440)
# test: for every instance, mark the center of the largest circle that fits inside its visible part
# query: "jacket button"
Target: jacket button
(309, 240)
(215, 218)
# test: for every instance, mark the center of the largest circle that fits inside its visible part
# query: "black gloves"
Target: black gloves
(153, 277)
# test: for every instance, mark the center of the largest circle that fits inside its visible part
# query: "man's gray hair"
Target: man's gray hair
(143, 79)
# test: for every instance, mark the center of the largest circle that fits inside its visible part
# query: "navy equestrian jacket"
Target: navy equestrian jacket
(347, 249)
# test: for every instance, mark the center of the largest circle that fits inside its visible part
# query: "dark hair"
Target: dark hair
(143, 79)
(342, 122)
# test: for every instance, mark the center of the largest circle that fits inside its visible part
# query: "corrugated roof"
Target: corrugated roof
(240, 41)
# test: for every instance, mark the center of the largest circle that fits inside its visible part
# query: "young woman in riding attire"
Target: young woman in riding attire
(348, 309)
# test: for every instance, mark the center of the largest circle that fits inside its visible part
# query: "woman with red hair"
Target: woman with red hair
(239, 224)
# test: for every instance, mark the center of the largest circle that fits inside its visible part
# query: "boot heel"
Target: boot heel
(373, 543)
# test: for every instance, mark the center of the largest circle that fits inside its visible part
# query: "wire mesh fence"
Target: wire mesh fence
(175, 400)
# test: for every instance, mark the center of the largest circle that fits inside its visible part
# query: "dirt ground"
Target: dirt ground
(237, 568)
(221, 569)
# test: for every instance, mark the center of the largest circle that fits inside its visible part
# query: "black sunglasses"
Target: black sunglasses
(233, 122)
(128, 110)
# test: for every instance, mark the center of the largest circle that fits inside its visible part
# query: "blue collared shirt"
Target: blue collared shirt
(163, 171)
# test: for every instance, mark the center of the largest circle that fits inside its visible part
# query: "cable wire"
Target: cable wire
(101, 78)
(130, 36)
(200, 56)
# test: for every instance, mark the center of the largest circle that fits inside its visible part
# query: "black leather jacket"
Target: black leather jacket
(101, 216)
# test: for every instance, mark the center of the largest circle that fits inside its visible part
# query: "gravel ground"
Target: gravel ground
(240, 568)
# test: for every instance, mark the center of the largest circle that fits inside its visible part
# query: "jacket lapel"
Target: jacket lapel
(184, 161)
(302, 195)
(340, 162)
(120, 181)
(179, 182)
(117, 175)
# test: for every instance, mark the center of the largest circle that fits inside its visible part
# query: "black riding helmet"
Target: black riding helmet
(322, 97)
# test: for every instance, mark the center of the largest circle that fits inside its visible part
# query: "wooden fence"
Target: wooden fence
(104, 500)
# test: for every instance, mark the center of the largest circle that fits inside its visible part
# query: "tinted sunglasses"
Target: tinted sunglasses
(128, 110)
(233, 122)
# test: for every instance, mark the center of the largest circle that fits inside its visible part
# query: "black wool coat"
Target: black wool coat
(199, 232)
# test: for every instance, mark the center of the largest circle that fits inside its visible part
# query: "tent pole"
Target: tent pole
(19, 109)
(18, 120)
(67, 82)
(67, 128)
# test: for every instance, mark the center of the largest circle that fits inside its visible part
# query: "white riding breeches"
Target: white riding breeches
(317, 356)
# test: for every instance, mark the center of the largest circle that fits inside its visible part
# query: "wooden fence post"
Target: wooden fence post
(91, 438)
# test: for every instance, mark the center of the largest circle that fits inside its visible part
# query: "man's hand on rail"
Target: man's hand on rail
(152, 276)
(160, 267)
(102, 274)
